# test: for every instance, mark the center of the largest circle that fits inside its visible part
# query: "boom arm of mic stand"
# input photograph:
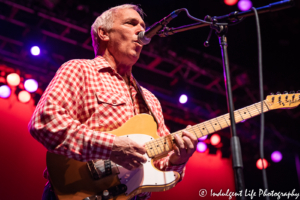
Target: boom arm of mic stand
(280, 5)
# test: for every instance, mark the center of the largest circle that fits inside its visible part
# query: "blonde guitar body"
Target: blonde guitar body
(71, 179)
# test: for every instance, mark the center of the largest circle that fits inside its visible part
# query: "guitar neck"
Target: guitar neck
(163, 145)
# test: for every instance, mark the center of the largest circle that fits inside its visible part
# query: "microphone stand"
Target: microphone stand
(221, 30)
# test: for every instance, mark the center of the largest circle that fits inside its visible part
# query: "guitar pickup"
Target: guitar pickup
(102, 168)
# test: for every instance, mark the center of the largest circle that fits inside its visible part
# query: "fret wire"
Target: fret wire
(164, 142)
(248, 111)
(219, 122)
(148, 149)
(194, 132)
(199, 129)
(167, 142)
(159, 144)
(256, 108)
(225, 120)
(241, 115)
(266, 105)
(153, 147)
(212, 125)
(205, 127)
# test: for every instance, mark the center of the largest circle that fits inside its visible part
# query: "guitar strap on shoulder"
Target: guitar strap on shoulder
(140, 91)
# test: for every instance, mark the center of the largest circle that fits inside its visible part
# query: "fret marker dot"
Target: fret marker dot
(203, 128)
(244, 112)
(215, 123)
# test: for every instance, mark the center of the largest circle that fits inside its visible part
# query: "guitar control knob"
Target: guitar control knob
(285, 92)
(105, 193)
(278, 93)
(292, 92)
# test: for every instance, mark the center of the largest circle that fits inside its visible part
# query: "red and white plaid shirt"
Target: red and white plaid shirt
(85, 100)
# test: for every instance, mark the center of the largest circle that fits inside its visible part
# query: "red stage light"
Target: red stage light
(24, 96)
(230, 2)
(13, 79)
(259, 163)
(215, 139)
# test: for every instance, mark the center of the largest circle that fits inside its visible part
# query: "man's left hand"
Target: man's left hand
(184, 147)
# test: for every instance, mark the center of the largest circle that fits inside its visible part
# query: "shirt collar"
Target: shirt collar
(101, 63)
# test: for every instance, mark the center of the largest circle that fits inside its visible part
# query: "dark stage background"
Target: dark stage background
(168, 67)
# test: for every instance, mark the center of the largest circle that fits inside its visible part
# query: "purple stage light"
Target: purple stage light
(202, 138)
(4, 91)
(183, 99)
(31, 85)
(244, 5)
(201, 147)
(276, 156)
(35, 50)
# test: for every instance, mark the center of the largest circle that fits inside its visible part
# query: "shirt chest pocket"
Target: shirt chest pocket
(112, 99)
(112, 110)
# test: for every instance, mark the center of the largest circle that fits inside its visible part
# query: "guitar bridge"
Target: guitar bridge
(102, 168)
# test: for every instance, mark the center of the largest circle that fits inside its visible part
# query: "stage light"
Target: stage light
(276, 156)
(244, 5)
(215, 139)
(201, 147)
(31, 85)
(5, 91)
(230, 2)
(202, 138)
(35, 50)
(259, 163)
(24, 96)
(183, 99)
(13, 79)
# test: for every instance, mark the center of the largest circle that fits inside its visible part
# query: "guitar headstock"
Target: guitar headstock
(283, 101)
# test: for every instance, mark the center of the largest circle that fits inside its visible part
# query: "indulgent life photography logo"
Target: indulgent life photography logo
(250, 193)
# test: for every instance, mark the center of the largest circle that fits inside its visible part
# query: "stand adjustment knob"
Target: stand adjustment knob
(105, 193)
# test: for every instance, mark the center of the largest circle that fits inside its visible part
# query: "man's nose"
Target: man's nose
(139, 29)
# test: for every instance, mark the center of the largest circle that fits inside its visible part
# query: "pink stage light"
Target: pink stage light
(183, 99)
(24, 96)
(202, 138)
(276, 156)
(259, 163)
(5, 91)
(31, 85)
(215, 139)
(201, 147)
(13, 79)
(244, 5)
(230, 2)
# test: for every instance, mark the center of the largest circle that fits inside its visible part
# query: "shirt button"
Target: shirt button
(114, 101)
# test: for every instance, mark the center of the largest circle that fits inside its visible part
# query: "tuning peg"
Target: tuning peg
(271, 93)
(292, 92)
(278, 93)
(285, 92)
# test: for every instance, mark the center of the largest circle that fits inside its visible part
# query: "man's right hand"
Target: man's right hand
(127, 153)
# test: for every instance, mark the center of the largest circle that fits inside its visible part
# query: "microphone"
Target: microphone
(144, 37)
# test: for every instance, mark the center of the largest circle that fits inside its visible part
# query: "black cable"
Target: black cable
(261, 91)
(200, 20)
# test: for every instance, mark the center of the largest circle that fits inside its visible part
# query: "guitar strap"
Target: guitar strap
(140, 91)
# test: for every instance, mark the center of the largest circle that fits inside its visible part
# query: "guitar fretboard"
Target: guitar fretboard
(164, 144)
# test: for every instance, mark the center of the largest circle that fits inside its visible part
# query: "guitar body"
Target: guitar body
(71, 179)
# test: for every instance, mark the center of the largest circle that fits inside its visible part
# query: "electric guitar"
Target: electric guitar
(103, 179)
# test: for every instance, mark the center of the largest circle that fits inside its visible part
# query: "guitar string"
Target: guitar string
(252, 109)
(265, 108)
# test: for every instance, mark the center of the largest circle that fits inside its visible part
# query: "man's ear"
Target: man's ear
(103, 34)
